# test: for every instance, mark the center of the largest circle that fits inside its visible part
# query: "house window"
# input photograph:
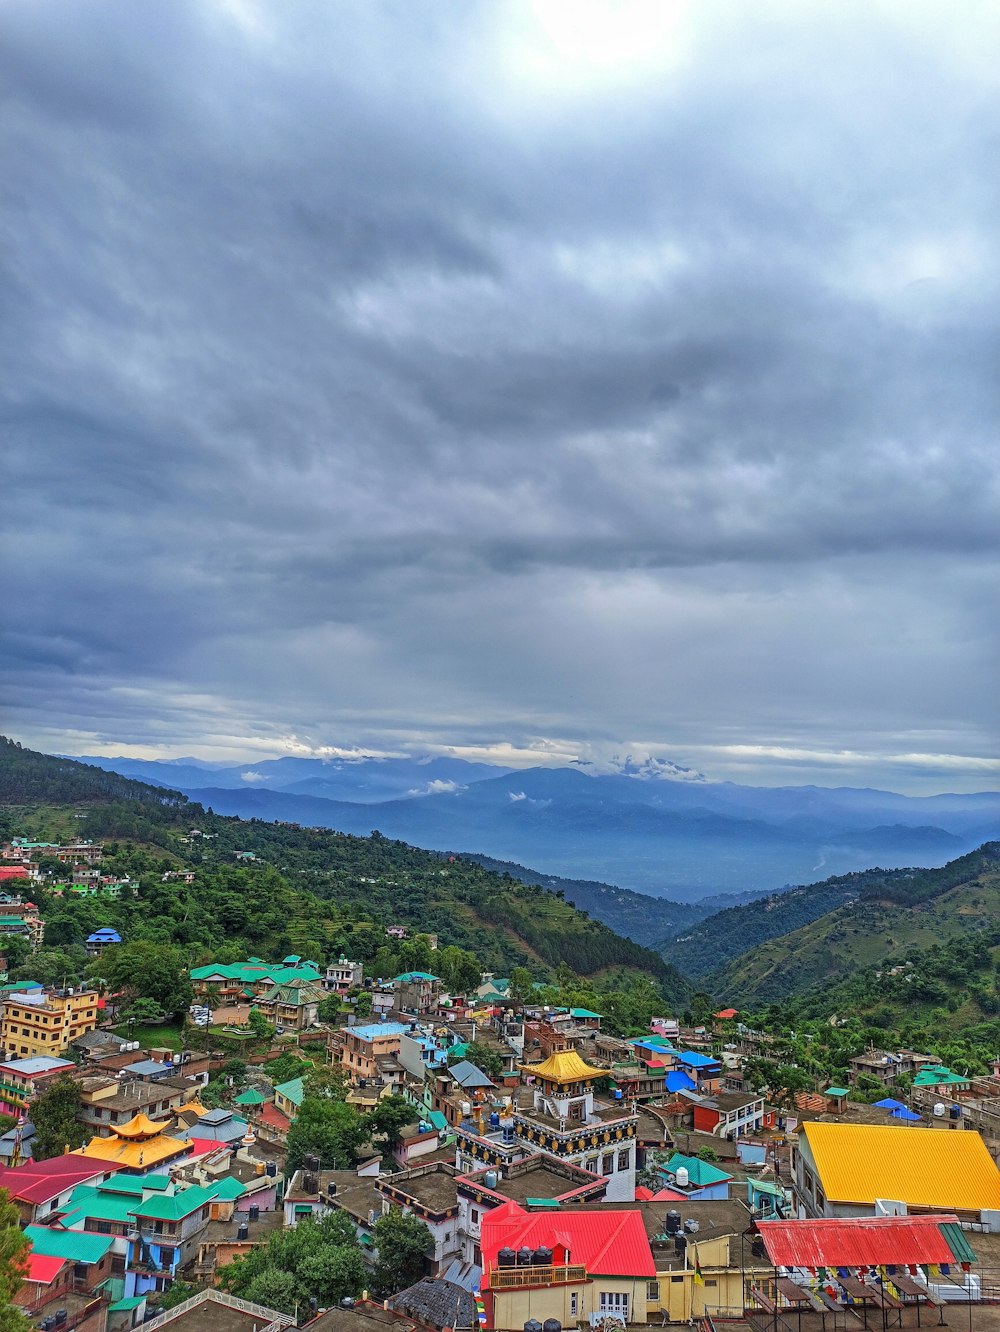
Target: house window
(623, 1160)
(607, 1164)
(574, 1304)
(652, 1290)
(614, 1301)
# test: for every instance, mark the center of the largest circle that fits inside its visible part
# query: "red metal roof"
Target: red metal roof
(38, 1181)
(860, 1241)
(606, 1243)
(43, 1268)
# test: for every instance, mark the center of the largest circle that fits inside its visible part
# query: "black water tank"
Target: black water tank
(310, 1184)
(680, 1242)
(543, 1257)
(331, 1189)
(673, 1222)
(552, 1325)
(311, 1162)
(507, 1258)
(254, 1212)
(61, 1316)
(532, 1325)
(524, 1257)
(271, 1169)
(244, 1231)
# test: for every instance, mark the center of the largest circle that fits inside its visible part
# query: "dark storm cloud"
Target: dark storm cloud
(371, 370)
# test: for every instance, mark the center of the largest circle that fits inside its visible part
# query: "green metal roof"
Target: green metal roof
(176, 1207)
(90, 1202)
(406, 976)
(227, 1187)
(122, 1306)
(700, 1173)
(294, 1090)
(74, 1246)
(250, 1097)
(437, 1119)
(957, 1242)
(836, 1091)
(584, 1013)
(157, 1183)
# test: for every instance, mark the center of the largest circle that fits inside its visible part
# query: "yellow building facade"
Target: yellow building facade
(46, 1023)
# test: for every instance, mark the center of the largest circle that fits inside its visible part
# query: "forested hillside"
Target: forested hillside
(707, 948)
(311, 891)
(891, 920)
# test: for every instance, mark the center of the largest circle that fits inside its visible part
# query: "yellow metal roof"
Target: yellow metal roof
(134, 1155)
(920, 1167)
(139, 1126)
(564, 1066)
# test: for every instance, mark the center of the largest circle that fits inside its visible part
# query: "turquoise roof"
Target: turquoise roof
(175, 1207)
(227, 1187)
(294, 1090)
(700, 1173)
(406, 976)
(74, 1246)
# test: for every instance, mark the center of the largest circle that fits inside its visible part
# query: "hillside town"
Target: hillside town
(464, 1160)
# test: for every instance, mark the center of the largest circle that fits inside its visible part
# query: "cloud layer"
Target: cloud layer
(534, 380)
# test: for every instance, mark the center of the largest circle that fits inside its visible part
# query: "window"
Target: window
(607, 1164)
(623, 1160)
(574, 1304)
(614, 1301)
(652, 1290)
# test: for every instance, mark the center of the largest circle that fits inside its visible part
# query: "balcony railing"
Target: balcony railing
(516, 1278)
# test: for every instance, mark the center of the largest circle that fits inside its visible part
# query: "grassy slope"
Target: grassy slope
(874, 931)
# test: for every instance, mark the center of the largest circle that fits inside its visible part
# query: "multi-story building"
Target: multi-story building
(293, 1006)
(429, 1192)
(103, 938)
(21, 1079)
(564, 1121)
(21, 919)
(732, 1114)
(236, 982)
(574, 1267)
(47, 1021)
(363, 1047)
(415, 992)
(106, 1103)
(164, 1237)
(536, 1177)
(343, 975)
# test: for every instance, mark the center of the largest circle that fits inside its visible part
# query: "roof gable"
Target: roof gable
(605, 1243)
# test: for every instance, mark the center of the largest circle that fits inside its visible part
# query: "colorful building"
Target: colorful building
(47, 1022)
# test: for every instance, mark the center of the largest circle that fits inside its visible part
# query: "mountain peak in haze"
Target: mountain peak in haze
(648, 769)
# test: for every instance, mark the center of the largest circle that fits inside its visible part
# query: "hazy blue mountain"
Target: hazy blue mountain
(648, 827)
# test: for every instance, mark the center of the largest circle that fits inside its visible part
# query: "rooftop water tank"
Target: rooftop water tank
(490, 1179)
(673, 1222)
(532, 1325)
(552, 1325)
(543, 1257)
(506, 1258)
(938, 1109)
(682, 1177)
(524, 1256)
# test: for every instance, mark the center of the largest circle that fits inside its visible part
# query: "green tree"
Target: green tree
(328, 1081)
(274, 1289)
(146, 970)
(520, 985)
(329, 1129)
(402, 1242)
(53, 1114)
(141, 1011)
(364, 1004)
(259, 1025)
(391, 1115)
(14, 1250)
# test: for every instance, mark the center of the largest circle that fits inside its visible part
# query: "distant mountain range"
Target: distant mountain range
(657, 829)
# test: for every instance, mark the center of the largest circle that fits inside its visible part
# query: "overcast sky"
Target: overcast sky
(532, 380)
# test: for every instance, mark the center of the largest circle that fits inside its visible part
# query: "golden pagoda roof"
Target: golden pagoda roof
(135, 1155)
(194, 1107)
(564, 1066)
(139, 1126)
